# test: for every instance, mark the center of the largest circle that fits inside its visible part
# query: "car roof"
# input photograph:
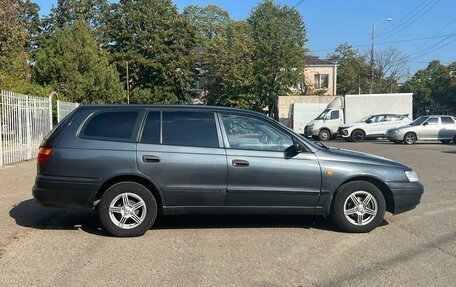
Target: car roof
(172, 107)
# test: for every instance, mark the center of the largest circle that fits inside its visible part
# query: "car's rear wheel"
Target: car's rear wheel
(358, 206)
(445, 141)
(358, 135)
(127, 209)
(324, 135)
(410, 138)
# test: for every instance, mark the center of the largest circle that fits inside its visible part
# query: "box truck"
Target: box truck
(303, 113)
(352, 108)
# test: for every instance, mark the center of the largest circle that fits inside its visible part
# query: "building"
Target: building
(320, 77)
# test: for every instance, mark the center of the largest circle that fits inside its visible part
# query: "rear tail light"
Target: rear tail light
(44, 153)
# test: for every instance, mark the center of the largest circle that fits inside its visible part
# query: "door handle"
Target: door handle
(150, 158)
(240, 163)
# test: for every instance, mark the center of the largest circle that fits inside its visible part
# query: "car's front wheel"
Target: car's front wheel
(358, 206)
(127, 209)
(358, 135)
(410, 138)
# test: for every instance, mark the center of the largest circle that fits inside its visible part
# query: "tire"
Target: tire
(343, 202)
(397, 142)
(445, 141)
(358, 135)
(324, 135)
(410, 138)
(127, 222)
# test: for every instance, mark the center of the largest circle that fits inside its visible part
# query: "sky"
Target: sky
(421, 29)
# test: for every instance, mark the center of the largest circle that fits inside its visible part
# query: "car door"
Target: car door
(430, 128)
(182, 152)
(374, 125)
(263, 170)
(448, 130)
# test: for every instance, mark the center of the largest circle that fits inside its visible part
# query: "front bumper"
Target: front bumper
(406, 195)
(394, 136)
(308, 132)
(60, 191)
(343, 132)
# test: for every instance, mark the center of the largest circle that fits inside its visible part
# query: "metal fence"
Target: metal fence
(24, 122)
(64, 108)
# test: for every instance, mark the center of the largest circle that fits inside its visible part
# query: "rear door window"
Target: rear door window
(447, 121)
(197, 129)
(151, 132)
(112, 125)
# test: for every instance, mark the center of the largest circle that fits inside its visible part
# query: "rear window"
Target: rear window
(114, 125)
(189, 129)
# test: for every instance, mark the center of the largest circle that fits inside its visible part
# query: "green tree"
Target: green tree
(435, 85)
(353, 72)
(210, 21)
(72, 63)
(229, 68)
(279, 35)
(158, 43)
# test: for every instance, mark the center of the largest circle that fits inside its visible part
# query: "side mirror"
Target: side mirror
(425, 124)
(298, 147)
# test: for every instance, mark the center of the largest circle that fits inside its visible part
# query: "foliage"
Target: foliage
(353, 71)
(435, 85)
(158, 43)
(229, 68)
(210, 21)
(279, 35)
(71, 62)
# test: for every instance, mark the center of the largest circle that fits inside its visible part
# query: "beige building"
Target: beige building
(320, 77)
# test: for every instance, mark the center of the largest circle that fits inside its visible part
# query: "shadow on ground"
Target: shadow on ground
(30, 214)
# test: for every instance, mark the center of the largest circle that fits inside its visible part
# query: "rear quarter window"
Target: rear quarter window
(112, 125)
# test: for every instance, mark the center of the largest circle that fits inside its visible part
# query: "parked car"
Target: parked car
(442, 128)
(373, 126)
(134, 162)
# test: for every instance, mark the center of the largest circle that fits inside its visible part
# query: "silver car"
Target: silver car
(441, 128)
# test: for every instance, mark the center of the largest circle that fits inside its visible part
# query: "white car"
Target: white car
(373, 126)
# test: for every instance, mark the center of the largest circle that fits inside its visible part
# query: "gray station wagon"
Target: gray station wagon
(134, 162)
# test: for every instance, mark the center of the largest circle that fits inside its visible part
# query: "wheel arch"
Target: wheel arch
(134, 178)
(410, 132)
(358, 129)
(327, 129)
(385, 190)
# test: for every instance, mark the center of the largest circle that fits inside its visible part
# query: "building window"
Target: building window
(321, 81)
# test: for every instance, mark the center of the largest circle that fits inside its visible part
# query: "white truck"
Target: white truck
(303, 113)
(352, 108)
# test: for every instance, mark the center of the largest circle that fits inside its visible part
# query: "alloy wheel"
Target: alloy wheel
(127, 210)
(360, 208)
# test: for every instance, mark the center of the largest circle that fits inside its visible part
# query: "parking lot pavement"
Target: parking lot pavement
(52, 247)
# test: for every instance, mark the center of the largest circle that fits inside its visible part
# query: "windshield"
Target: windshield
(323, 114)
(419, 121)
(364, 119)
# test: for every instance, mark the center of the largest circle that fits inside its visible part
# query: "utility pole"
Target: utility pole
(372, 62)
(128, 83)
(372, 59)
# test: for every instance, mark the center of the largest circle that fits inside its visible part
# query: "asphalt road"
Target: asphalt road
(54, 247)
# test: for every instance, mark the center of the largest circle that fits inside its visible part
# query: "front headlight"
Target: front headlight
(411, 175)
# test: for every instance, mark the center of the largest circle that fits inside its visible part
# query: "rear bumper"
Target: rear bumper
(60, 191)
(406, 195)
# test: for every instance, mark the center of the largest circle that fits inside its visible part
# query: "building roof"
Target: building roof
(313, 60)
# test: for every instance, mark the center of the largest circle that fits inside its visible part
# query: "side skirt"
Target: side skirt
(240, 210)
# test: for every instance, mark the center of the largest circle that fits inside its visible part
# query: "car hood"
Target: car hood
(346, 126)
(335, 154)
(312, 122)
(404, 128)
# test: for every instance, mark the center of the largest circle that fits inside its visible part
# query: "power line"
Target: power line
(391, 42)
(296, 5)
(413, 19)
